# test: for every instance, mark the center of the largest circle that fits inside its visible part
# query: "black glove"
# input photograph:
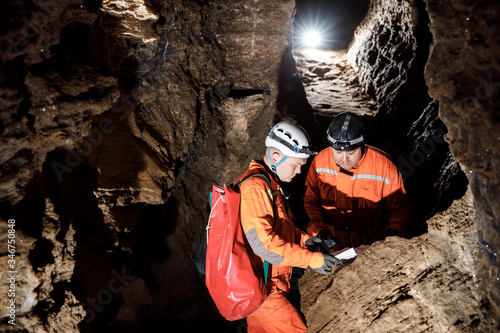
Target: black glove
(329, 262)
(329, 239)
(316, 244)
(324, 242)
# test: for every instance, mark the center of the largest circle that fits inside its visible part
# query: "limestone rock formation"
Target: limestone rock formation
(401, 285)
(467, 88)
(331, 85)
(118, 116)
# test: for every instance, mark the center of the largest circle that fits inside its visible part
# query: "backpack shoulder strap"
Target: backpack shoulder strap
(269, 190)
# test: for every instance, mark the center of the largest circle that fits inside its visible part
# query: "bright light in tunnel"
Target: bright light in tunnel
(313, 35)
(312, 38)
(322, 24)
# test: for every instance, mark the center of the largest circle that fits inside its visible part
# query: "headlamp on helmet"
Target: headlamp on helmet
(345, 132)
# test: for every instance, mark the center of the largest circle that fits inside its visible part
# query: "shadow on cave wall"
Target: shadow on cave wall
(107, 257)
(102, 269)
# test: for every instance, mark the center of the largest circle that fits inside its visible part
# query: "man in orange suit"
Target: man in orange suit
(355, 194)
(268, 227)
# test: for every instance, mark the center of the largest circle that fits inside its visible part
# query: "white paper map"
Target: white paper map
(348, 254)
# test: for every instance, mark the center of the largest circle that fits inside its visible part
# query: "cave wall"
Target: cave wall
(117, 116)
(390, 65)
(445, 279)
(463, 73)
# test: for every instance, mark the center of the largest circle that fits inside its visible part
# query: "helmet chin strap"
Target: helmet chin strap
(274, 166)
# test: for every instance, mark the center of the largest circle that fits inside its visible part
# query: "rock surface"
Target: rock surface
(331, 85)
(427, 283)
(118, 116)
(467, 88)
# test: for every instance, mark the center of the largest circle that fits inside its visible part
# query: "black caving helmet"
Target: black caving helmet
(345, 132)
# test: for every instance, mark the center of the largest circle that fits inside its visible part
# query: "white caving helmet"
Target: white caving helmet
(290, 138)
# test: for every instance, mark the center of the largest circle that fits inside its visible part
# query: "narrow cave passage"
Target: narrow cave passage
(399, 116)
(390, 96)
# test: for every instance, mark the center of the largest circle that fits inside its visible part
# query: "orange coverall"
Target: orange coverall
(268, 227)
(357, 209)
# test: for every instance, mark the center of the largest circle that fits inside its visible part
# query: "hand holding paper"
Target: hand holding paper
(349, 253)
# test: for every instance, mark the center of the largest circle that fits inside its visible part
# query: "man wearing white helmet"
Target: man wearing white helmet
(268, 226)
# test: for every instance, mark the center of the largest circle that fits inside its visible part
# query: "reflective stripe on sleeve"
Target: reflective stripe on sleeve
(382, 179)
(259, 249)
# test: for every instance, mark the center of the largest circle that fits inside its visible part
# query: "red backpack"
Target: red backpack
(235, 276)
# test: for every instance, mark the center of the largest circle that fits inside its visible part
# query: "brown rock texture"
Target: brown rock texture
(331, 86)
(427, 283)
(463, 73)
(116, 117)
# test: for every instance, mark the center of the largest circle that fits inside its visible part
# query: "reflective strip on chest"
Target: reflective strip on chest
(373, 177)
(361, 176)
(325, 170)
